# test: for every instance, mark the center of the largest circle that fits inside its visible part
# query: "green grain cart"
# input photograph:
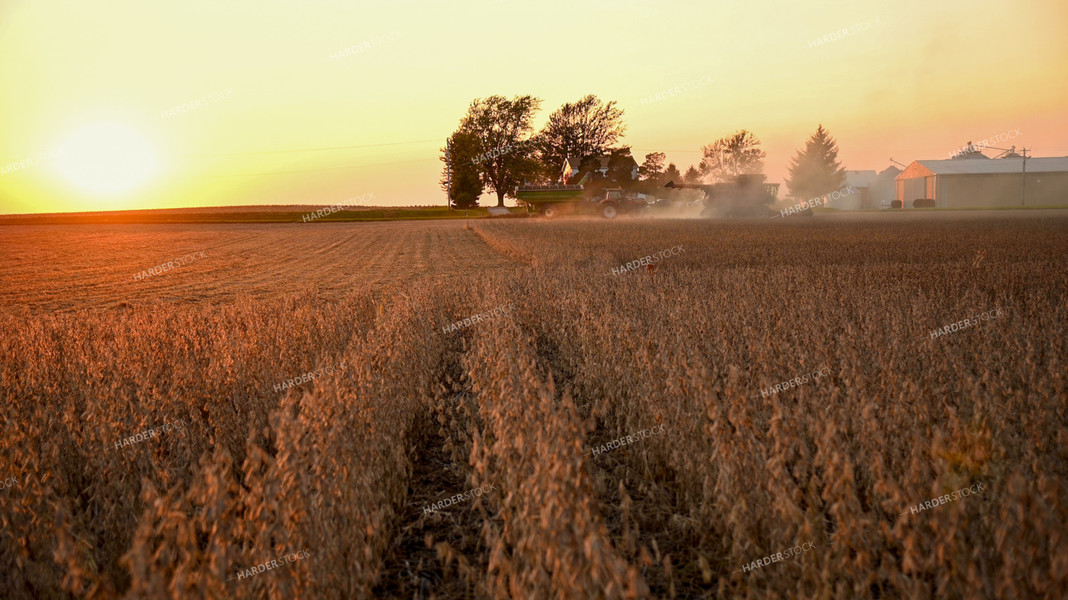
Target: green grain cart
(552, 200)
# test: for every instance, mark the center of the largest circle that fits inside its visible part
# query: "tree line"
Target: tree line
(496, 148)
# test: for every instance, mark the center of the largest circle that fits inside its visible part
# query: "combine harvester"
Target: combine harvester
(746, 196)
(553, 200)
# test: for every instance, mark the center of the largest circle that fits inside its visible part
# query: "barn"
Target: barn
(964, 183)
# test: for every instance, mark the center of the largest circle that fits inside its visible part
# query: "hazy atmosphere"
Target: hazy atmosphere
(286, 117)
(502, 300)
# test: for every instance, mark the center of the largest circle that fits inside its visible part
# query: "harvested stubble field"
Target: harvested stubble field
(343, 465)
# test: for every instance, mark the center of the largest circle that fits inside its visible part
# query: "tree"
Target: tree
(692, 176)
(815, 171)
(618, 171)
(671, 173)
(579, 129)
(466, 189)
(653, 166)
(503, 128)
(460, 157)
(734, 155)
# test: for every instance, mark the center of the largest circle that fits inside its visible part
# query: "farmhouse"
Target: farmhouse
(600, 167)
(571, 168)
(961, 183)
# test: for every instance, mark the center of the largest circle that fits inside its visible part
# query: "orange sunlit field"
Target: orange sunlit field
(159, 440)
(555, 300)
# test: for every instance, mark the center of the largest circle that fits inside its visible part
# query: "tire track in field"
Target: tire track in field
(635, 504)
(439, 553)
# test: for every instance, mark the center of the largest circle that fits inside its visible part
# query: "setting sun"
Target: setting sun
(106, 158)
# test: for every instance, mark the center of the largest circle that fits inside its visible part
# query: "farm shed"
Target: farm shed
(858, 182)
(984, 183)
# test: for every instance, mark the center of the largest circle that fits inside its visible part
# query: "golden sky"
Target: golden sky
(286, 116)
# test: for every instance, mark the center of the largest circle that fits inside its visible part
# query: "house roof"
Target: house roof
(627, 159)
(860, 178)
(569, 168)
(887, 176)
(1000, 165)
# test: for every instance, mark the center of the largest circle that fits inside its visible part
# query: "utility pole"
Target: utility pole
(1023, 179)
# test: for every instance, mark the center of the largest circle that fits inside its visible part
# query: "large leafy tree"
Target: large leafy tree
(461, 156)
(580, 129)
(816, 171)
(733, 155)
(503, 128)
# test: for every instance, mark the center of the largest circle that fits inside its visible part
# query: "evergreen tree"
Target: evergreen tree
(653, 167)
(671, 173)
(815, 171)
(692, 176)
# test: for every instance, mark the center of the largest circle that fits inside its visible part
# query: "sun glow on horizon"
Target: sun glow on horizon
(283, 103)
(106, 158)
